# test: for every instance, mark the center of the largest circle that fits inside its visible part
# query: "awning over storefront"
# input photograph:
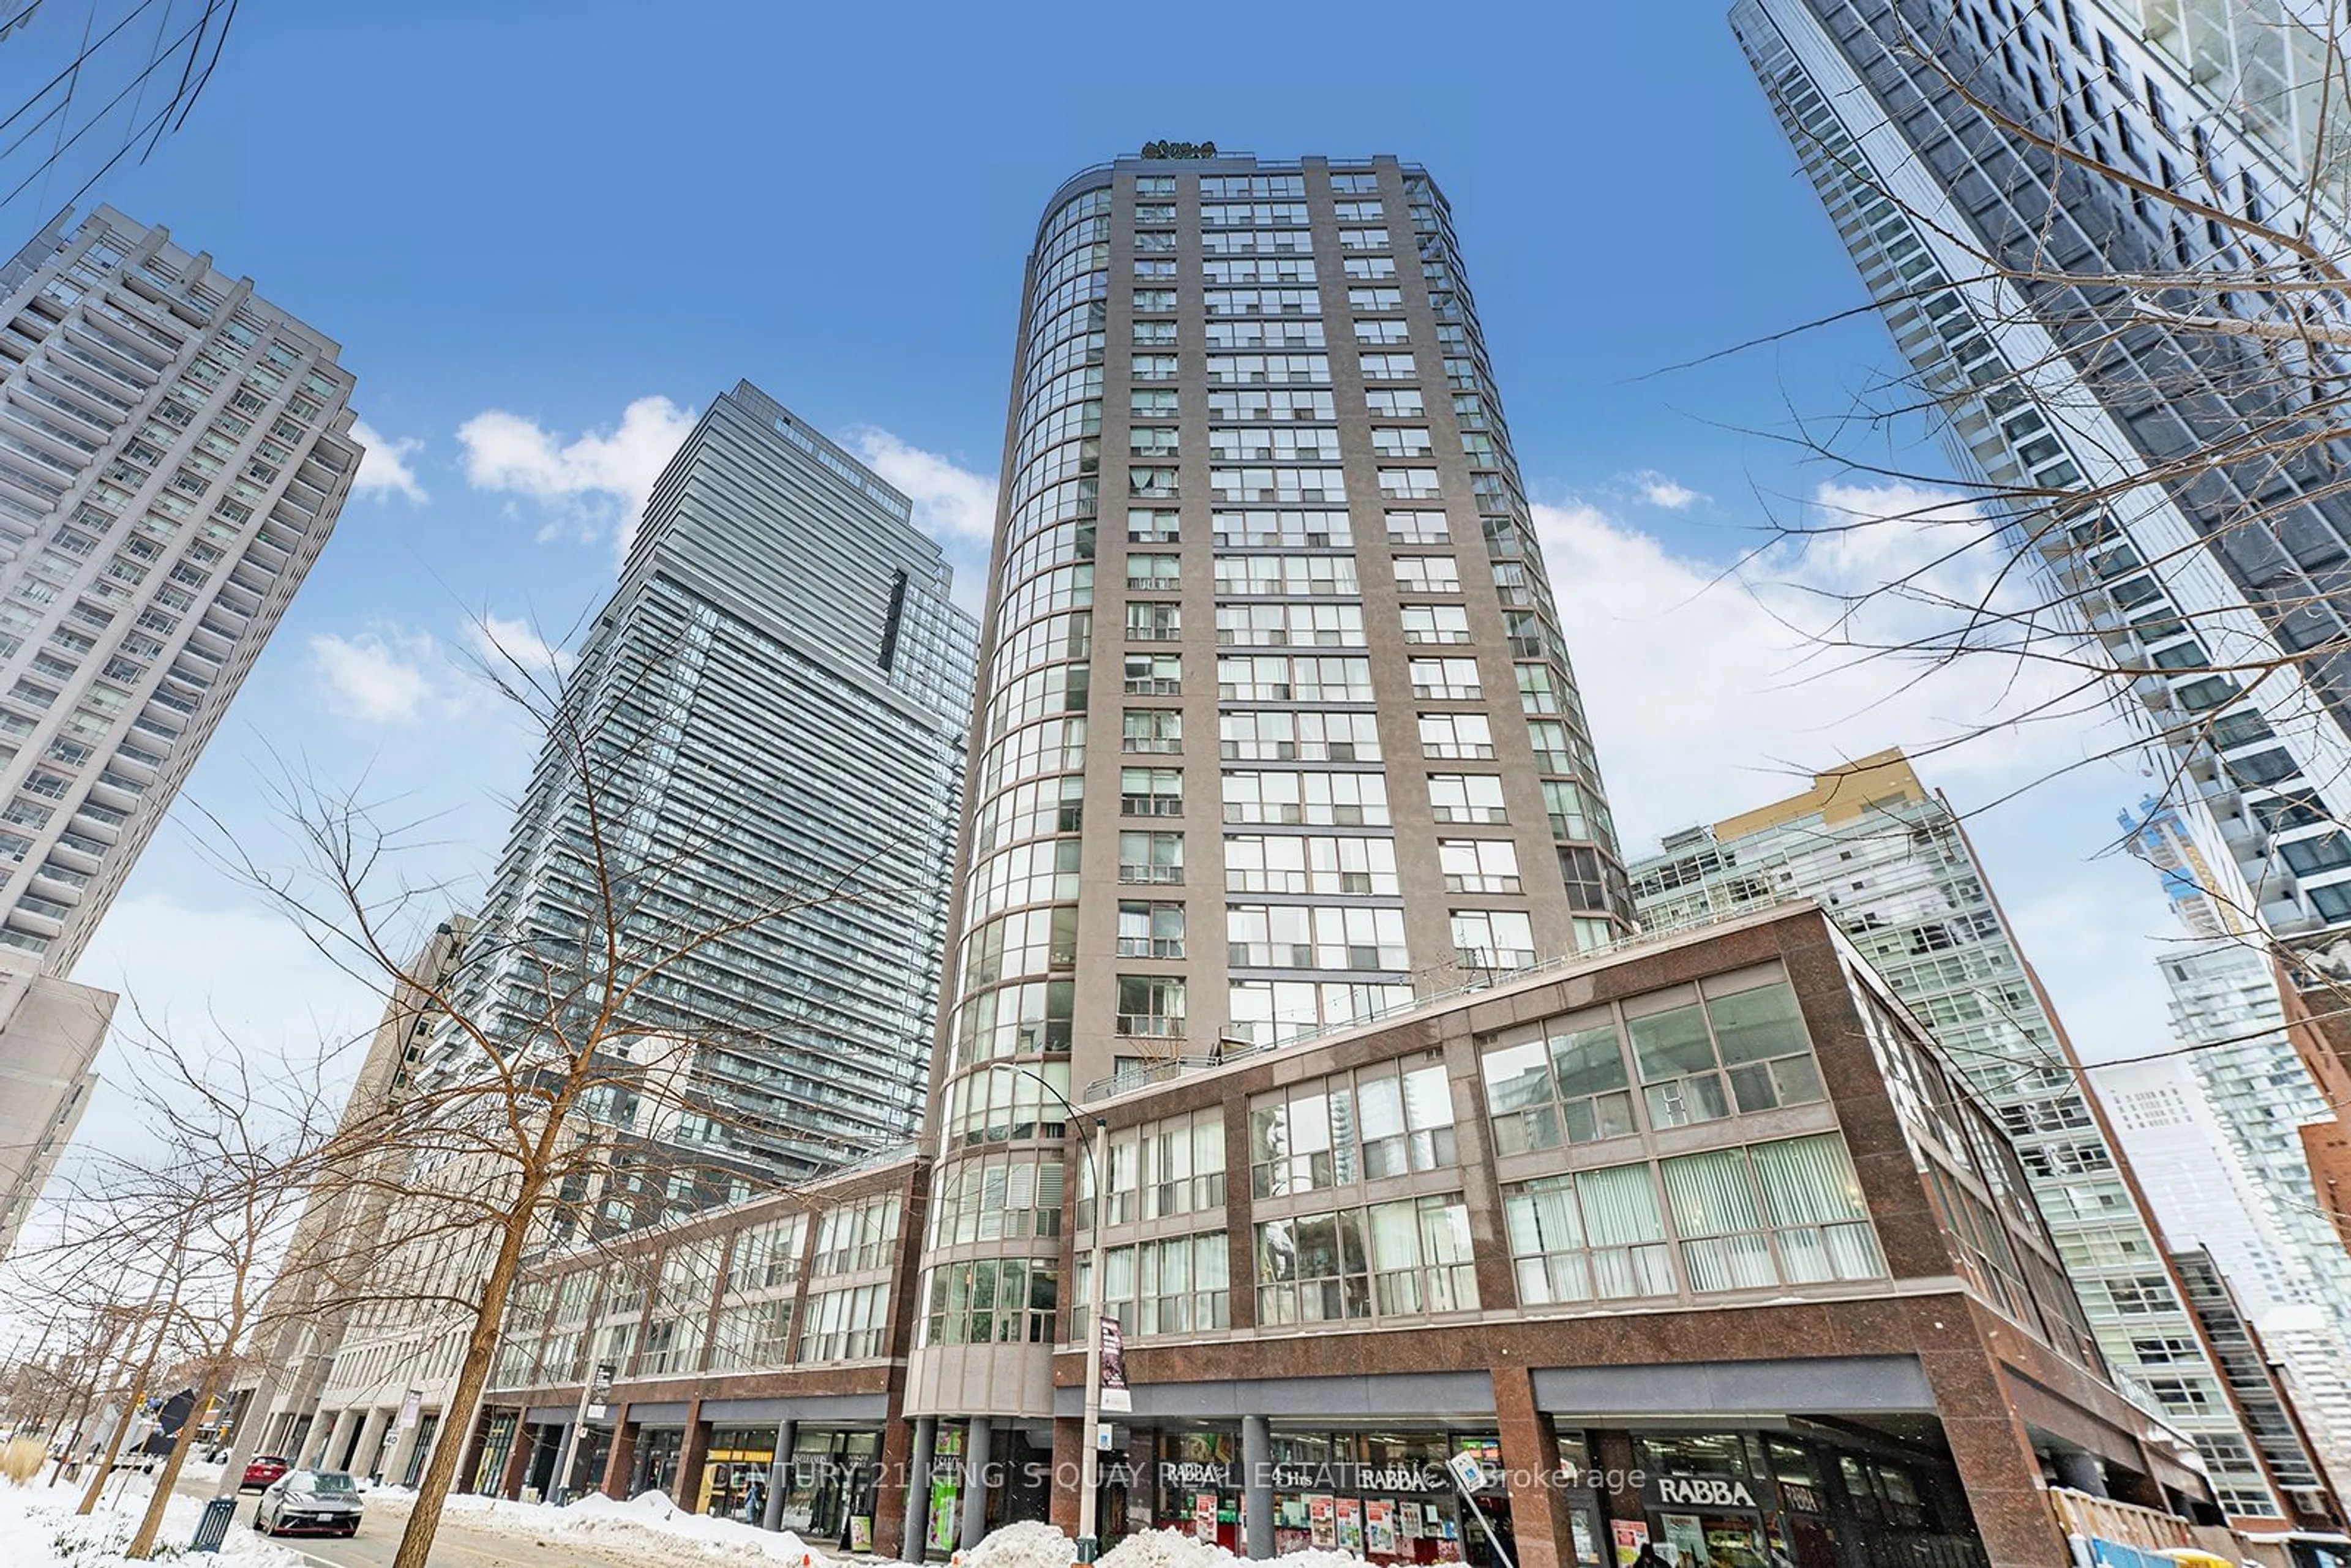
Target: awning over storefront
(1817, 1386)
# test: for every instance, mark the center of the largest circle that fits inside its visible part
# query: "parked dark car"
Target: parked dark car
(263, 1469)
(314, 1502)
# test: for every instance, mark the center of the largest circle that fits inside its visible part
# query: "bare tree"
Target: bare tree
(165, 1248)
(569, 1082)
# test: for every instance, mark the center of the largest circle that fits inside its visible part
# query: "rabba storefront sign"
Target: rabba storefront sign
(1704, 1491)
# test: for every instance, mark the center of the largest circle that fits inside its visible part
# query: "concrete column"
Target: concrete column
(403, 1447)
(913, 1547)
(366, 1458)
(1256, 1485)
(519, 1449)
(620, 1456)
(314, 1445)
(1539, 1528)
(976, 1477)
(339, 1441)
(2080, 1470)
(779, 1475)
(690, 1459)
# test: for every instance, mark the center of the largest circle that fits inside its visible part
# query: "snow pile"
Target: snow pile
(1165, 1548)
(1180, 1549)
(1028, 1544)
(649, 1525)
(38, 1529)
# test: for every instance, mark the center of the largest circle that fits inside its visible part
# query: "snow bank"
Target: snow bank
(38, 1529)
(653, 1530)
(1042, 1546)
(650, 1523)
(1028, 1544)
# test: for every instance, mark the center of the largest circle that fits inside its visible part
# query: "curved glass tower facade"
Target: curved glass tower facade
(1276, 730)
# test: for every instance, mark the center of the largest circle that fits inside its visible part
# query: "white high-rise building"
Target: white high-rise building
(173, 452)
(2204, 1195)
(2215, 1132)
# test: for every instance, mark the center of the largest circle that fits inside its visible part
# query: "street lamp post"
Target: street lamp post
(1088, 1546)
(1089, 1465)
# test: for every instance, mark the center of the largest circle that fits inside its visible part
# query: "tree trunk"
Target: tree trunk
(472, 1376)
(113, 1444)
(142, 1544)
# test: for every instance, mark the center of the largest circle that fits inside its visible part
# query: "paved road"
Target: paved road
(453, 1546)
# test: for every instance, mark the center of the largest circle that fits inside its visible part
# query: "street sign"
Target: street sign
(1467, 1473)
(411, 1406)
(594, 1403)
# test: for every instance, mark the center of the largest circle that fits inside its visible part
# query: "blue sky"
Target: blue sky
(545, 233)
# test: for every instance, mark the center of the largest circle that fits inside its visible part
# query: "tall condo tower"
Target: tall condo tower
(1276, 729)
(173, 452)
(778, 695)
(2016, 284)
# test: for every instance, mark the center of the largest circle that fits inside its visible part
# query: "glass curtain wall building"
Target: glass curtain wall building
(1891, 864)
(2220, 532)
(1276, 730)
(777, 697)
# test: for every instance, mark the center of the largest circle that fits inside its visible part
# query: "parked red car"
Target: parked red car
(264, 1470)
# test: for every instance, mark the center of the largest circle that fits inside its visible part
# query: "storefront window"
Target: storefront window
(1197, 1485)
(734, 1473)
(832, 1481)
(1382, 1495)
(658, 1451)
(1709, 1500)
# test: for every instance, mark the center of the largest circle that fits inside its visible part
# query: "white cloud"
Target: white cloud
(1710, 694)
(374, 677)
(1682, 659)
(392, 674)
(594, 482)
(952, 503)
(385, 469)
(508, 646)
(1662, 491)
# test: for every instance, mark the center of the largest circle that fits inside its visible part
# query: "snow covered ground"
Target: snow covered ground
(38, 1529)
(653, 1530)
(650, 1529)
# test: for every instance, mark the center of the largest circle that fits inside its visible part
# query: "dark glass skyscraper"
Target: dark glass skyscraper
(2083, 336)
